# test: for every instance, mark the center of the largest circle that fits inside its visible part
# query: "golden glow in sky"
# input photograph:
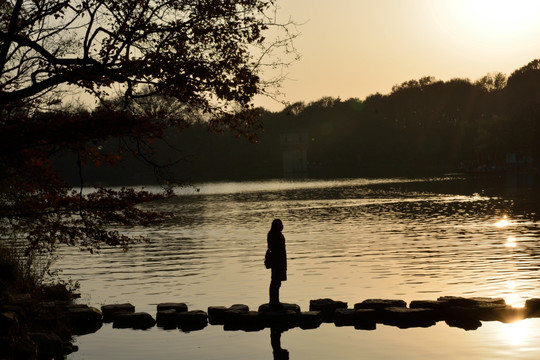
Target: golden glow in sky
(495, 19)
(355, 48)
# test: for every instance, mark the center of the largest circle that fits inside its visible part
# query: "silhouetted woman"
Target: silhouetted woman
(276, 244)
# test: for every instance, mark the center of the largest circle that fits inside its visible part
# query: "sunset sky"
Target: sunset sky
(354, 48)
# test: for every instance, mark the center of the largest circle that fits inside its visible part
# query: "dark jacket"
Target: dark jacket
(276, 244)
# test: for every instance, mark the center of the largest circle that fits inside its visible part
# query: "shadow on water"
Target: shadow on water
(275, 340)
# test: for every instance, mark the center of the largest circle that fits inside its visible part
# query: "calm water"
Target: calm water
(349, 240)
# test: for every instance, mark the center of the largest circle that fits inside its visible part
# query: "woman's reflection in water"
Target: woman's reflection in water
(275, 340)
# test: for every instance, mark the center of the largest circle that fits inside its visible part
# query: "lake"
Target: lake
(347, 239)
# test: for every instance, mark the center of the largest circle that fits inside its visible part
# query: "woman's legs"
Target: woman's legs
(274, 291)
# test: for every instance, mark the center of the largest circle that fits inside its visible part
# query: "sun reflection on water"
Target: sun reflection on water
(503, 222)
(517, 333)
(511, 242)
(515, 301)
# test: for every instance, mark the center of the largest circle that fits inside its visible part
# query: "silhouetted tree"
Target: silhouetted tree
(204, 57)
(522, 102)
(492, 82)
(423, 126)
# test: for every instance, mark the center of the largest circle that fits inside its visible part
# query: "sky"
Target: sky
(355, 48)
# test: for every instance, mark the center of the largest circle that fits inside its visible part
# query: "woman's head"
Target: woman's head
(277, 225)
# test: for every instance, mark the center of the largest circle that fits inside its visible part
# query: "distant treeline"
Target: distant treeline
(423, 126)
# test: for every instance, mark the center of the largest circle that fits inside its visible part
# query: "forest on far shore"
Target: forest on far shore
(422, 127)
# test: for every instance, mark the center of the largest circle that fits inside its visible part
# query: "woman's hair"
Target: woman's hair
(277, 225)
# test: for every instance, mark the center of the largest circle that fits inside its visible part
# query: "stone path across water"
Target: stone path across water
(465, 313)
(80, 319)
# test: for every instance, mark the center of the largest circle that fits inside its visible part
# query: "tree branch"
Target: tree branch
(21, 40)
(12, 28)
(34, 89)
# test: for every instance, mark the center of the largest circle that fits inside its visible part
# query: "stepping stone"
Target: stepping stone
(167, 319)
(282, 320)
(138, 320)
(532, 307)
(426, 304)
(192, 320)
(437, 306)
(178, 307)
(354, 317)
(284, 307)
(110, 311)
(246, 321)
(231, 314)
(405, 318)
(310, 319)
(469, 302)
(216, 315)
(379, 304)
(327, 306)
(84, 319)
